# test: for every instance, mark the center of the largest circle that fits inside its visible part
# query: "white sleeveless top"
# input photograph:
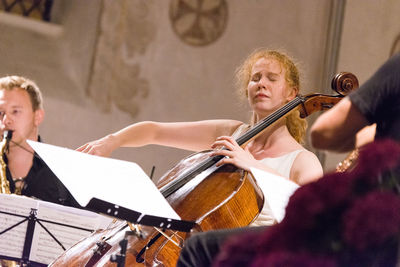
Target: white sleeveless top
(282, 165)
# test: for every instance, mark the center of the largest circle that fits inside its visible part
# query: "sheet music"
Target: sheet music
(277, 191)
(12, 242)
(116, 181)
(44, 248)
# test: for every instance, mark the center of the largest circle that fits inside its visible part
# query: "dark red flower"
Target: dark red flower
(239, 250)
(273, 239)
(305, 203)
(291, 259)
(311, 201)
(376, 158)
(372, 220)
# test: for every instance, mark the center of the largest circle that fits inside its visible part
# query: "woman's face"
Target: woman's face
(268, 90)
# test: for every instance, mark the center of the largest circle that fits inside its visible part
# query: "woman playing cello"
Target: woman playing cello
(269, 79)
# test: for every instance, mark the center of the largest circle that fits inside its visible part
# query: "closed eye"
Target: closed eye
(273, 77)
(256, 77)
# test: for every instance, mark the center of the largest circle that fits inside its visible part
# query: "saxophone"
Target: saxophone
(349, 162)
(4, 184)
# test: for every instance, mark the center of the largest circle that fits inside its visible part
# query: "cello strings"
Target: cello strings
(170, 238)
(189, 174)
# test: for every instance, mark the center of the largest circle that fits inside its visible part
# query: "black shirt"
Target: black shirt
(378, 99)
(42, 183)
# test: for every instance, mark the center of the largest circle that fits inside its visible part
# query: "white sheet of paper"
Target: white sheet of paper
(116, 181)
(277, 191)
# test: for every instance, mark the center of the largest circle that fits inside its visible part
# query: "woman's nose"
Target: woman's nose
(262, 83)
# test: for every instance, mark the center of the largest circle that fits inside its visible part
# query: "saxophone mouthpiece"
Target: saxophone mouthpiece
(8, 135)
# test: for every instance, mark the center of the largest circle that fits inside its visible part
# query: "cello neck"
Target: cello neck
(269, 120)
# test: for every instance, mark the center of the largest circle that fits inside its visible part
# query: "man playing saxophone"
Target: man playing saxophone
(21, 112)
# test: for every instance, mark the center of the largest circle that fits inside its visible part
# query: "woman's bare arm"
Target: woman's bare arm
(194, 136)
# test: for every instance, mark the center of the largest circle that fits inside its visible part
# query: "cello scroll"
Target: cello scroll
(343, 83)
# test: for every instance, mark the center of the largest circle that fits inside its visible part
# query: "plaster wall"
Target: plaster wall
(183, 82)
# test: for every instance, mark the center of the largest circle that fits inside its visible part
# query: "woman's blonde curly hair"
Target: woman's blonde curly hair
(296, 125)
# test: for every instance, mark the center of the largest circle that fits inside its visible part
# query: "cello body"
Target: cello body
(227, 198)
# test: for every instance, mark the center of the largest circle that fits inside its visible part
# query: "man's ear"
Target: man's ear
(39, 116)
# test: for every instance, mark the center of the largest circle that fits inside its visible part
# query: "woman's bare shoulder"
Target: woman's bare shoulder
(228, 127)
(306, 167)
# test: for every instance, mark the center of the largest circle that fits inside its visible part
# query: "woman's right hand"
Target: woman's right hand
(101, 147)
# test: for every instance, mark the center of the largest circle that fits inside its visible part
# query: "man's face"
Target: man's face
(16, 114)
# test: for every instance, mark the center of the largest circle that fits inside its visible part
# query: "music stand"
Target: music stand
(135, 217)
(35, 232)
(31, 220)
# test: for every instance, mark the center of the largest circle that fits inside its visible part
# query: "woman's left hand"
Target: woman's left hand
(233, 153)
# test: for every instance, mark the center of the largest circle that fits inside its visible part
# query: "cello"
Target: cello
(214, 198)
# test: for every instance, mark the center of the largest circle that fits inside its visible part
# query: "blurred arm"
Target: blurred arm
(336, 129)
